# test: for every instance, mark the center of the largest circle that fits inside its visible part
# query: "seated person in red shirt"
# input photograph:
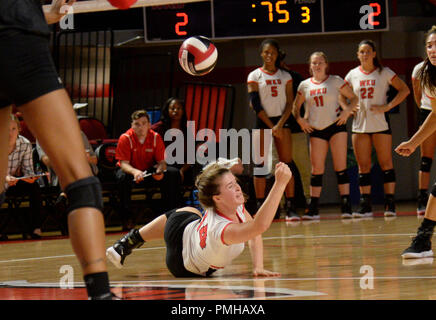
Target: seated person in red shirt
(141, 149)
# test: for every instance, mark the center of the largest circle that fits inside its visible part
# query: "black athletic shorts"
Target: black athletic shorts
(423, 114)
(329, 132)
(173, 236)
(261, 125)
(27, 68)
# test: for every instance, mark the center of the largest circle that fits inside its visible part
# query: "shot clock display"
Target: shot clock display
(260, 18)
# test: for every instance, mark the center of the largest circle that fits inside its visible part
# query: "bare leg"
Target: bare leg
(154, 229)
(284, 150)
(52, 120)
(318, 153)
(427, 150)
(430, 211)
(362, 150)
(383, 146)
(338, 145)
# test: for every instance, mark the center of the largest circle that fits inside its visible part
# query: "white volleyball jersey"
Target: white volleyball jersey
(321, 100)
(371, 88)
(425, 101)
(203, 244)
(272, 89)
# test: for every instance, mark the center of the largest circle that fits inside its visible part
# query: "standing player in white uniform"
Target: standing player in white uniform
(198, 246)
(428, 146)
(421, 244)
(370, 82)
(271, 96)
(325, 122)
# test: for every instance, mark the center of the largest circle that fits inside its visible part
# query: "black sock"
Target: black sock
(345, 198)
(314, 202)
(422, 193)
(389, 197)
(289, 202)
(97, 284)
(428, 224)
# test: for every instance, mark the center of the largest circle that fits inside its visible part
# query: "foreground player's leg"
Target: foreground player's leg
(421, 244)
(53, 121)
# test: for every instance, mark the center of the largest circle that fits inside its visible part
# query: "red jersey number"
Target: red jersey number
(274, 92)
(203, 236)
(319, 100)
(366, 93)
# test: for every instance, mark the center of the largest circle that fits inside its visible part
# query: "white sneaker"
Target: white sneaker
(390, 214)
(346, 216)
(114, 257)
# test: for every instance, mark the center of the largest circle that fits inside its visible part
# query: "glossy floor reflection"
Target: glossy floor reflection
(333, 259)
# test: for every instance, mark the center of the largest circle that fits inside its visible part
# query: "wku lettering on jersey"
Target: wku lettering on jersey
(367, 83)
(316, 92)
(273, 81)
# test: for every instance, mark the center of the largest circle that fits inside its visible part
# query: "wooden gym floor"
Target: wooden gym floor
(334, 259)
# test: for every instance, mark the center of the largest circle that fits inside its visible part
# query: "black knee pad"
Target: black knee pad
(343, 177)
(426, 164)
(316, 180)
(364, 179)
(84, 193)
(389, 176)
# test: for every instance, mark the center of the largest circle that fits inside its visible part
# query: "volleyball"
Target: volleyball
(122, 4)
(198, 55)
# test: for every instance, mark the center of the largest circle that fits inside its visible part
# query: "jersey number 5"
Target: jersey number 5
(274, 92)
(367, 93)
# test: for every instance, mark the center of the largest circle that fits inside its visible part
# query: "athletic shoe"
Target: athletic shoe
(365, 209)
(390, 208)
(292, 216)
(123, 247)
(422, 204)
(106, 296)
(420, 247)
(346, 212)
(311, 214)
(291, 212)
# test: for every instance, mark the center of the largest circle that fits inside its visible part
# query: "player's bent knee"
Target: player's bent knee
(84, 193)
